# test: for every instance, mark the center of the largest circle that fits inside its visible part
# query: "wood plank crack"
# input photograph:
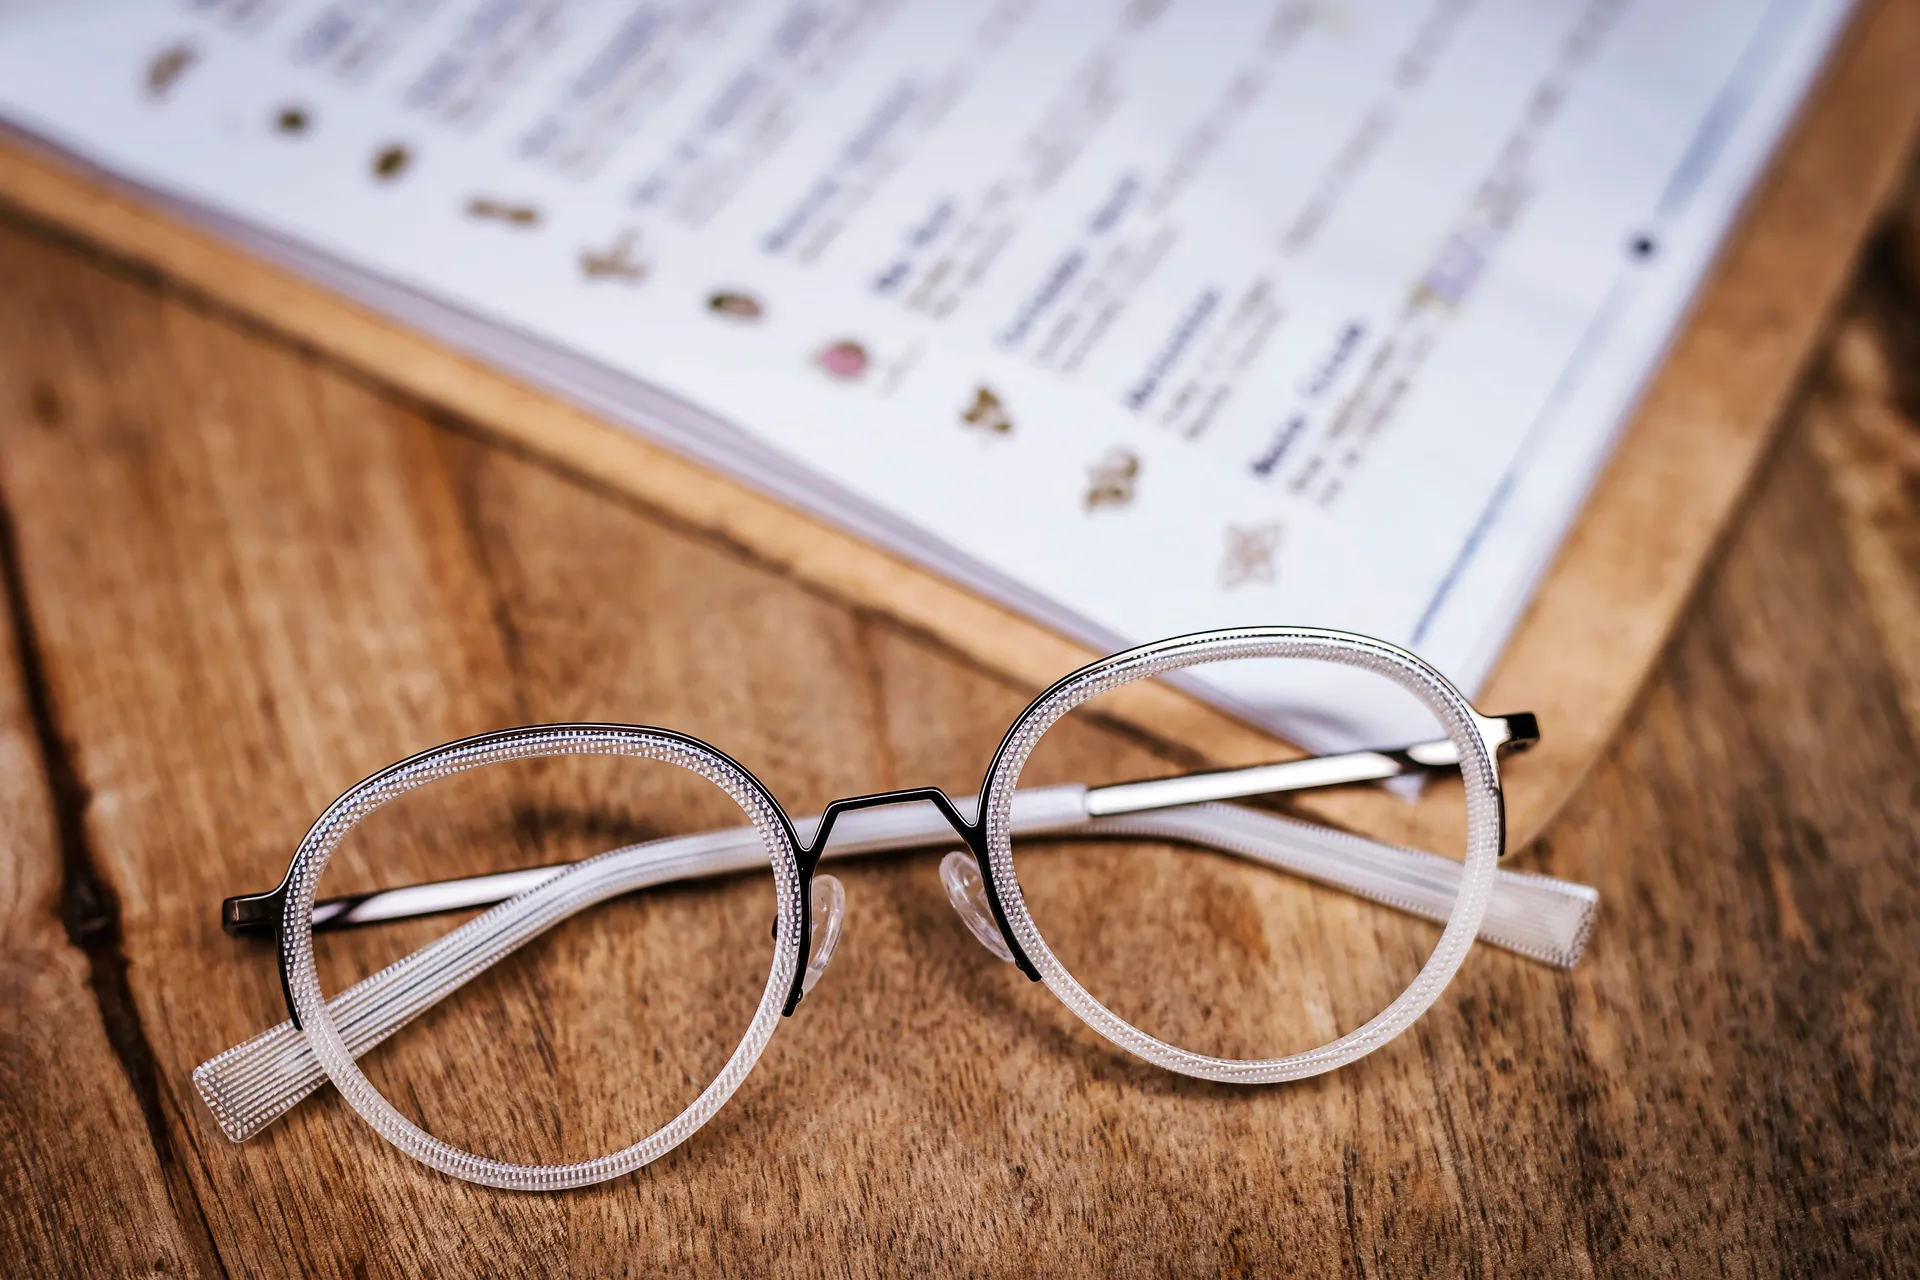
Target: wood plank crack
(89, 907)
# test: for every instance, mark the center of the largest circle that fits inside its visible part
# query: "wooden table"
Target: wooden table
(238, 577)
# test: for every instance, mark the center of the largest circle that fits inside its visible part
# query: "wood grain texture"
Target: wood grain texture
(245, 577)
(1605, 605)
(73, 1057)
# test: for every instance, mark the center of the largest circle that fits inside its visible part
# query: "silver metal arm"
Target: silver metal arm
(1521, 732)
(251, 1084)
(258, 914)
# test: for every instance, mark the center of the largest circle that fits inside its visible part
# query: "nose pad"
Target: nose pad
(829, 911)
(967, 891)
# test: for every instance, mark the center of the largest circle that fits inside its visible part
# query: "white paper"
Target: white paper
(1142, 317)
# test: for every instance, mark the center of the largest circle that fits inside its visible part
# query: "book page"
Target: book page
(1144, 317)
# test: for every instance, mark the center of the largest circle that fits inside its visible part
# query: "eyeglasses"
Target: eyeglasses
(999, 883)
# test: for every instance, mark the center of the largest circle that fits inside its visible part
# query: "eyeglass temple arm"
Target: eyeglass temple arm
(251, 1084)
(1514, 733)
(258, 915)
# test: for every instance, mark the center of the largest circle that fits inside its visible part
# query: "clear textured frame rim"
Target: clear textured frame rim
(361, 800)
(1486, 836)
(990, 833)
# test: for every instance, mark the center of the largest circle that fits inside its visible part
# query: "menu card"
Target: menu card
(1139, 316)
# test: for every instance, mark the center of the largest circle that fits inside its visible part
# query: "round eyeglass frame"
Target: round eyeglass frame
(1472, 735)
(354, 806)
(990, 835)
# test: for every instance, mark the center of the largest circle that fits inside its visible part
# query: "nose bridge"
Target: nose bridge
(890, 820)
(885, 819)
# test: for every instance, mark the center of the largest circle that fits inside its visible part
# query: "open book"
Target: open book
(1138, 317)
